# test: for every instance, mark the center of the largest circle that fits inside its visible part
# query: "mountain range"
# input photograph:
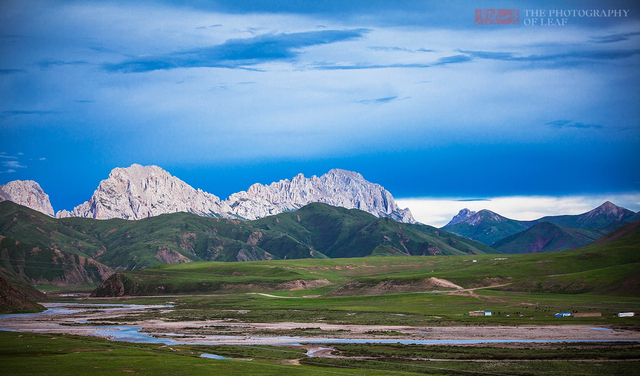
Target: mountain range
(27, 193)
(39, 249)
(551, 233)
(139, 192)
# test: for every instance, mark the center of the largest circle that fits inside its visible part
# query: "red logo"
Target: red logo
(497, 17)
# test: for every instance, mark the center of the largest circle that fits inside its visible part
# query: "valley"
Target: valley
(319, 290)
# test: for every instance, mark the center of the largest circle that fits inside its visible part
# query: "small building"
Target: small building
(480, 313)
(626, 314)
(587, 314)
(563, 314)
(487, 313)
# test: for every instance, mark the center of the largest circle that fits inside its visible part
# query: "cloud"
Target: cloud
(378, 100)
(46, 64)
(570, 124)
(13, 164)
(614, 37)
(11, 71)
(572, 58)
(455, 59)
(207, 27)
(446, 60)
(398, 49)
(439, 211)
(239, 53)
(390, 49)
(28, 112)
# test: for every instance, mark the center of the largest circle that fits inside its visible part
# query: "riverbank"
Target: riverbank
(106, 321)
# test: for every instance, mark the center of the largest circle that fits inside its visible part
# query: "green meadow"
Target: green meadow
(33, 354)
(519, 290)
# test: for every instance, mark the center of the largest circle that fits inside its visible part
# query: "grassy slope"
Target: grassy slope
(36, 354)
(613, 267)
(488, 230)
(338, 232)
(546, 237)
(181, 237)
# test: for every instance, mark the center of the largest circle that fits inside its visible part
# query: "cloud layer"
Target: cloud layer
(439, 211)
(239, 53)
(410, 93)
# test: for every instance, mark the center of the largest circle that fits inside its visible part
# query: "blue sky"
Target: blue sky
(411, 94)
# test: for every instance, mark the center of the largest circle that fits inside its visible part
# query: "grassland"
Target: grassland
(31, 354)
(610, 268)
(520, 290)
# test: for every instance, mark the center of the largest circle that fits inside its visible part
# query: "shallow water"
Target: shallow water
(213, 356)
(125, 333)
(133, 334)
(604, 329)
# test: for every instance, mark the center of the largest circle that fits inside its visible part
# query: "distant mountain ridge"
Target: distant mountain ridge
(138, 192)
(484, 226)
(341, 188)
(551, 233)
(27, 193)
(546, 237)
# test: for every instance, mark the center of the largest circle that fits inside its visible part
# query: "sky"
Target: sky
(535, 118)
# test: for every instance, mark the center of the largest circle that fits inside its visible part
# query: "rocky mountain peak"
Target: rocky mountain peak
(474, 218)
(462, 216)
(337, 187)
(609, 211)
(27, 193)
(138, 192)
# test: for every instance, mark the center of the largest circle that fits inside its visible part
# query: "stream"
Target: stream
(133, 334)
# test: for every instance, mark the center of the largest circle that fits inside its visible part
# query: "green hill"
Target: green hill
(546, 237)
(66, 246)
(487, 227)
(338, 232)
(17, 298)
(551, 233)
(607, 268)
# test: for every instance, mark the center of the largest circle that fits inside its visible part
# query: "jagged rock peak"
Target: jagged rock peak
(474, 218)
(27, 193)
(608, 209)
(462, 216)
(138, 192)
(337, 188)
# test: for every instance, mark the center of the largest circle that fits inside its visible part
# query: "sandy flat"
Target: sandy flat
(225, 332)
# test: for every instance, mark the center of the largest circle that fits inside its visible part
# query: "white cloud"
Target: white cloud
(13, 164)
(439, 211)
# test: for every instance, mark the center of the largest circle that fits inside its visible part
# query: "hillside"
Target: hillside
(608, 268)
(484, 226)
(546, 237)
(337, 232)
(17, 298)
(604, 216)
(559, 233)
(315, 231)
